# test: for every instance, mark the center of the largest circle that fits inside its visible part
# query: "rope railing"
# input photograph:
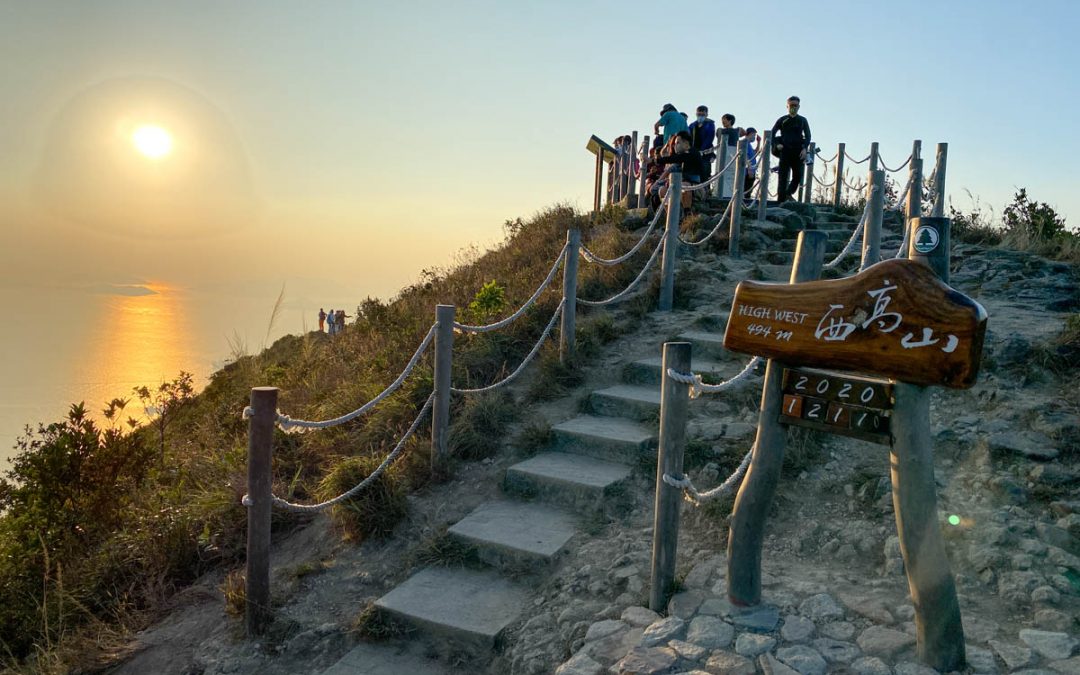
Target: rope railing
(696, 497)
(698, 387)
(593, 258)
(903, 196)
(857, 161)
(881, 163)
(521, 311)
(859, 185)
(715, 177)
(528, 358)
(394, 454)
(716, 228)
(287, 422)
(854, 236)
(621, 294)
(823, 183)
(827, 161)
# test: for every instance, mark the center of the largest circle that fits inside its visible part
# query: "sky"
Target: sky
(353, 144)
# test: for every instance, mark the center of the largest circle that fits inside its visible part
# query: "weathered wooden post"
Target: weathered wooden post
(808, 175)
(567, 345)
(838, 191)
(871, 244)
(631, 182)
(759, 485)
(875, 157)
(674, 403)
(671, 240)
(598, 182)
(721, 162)
(617, 168)
(440, 412)
(642, 200)
(737, 199)
(939, 179)
(257, 614)
(938, 627)
(764, 166)
(914, 195)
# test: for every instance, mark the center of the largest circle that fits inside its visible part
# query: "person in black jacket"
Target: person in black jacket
(688, 157)
(791, 138)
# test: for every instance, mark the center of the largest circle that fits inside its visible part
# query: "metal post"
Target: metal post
(914, 195)
(257, 614)
(642, 202)
(721, 162)
(838, 190)
(671, 240)
(674, 403)
(631, 183)
(764, 165)
(758, 487)
(598, 181)
(871, 244)
(440, 413)
(736, 199)
(939, 179)
(569, 289)
(938, 627)
(808, 175)
(875, 157)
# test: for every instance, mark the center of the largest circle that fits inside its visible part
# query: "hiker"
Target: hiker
(751, 161)
(702, 131)
(654, 178)
(672, 121)
(727, 133)
(322, 319)
(339, 320)
(790, 146)
(332, 326)
(688, 157)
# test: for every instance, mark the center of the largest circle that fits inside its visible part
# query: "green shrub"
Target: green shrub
(480, 423)
(376, 510)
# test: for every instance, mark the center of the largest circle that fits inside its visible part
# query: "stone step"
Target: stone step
(648, 371)
(627, 400)
(779, 257)
(386, 659)
(609, 438)
(457, 609)
(564, 478)
(706, 345)
(515, 534)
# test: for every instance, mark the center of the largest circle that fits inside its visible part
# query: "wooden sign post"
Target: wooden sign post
(896, 319)
(602, 151)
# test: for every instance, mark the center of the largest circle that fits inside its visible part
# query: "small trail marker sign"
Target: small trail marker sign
(895, 319)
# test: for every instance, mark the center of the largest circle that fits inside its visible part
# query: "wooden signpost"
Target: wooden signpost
(604, 153)
(898, 320)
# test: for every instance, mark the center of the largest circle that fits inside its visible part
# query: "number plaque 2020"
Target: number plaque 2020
(859, 407)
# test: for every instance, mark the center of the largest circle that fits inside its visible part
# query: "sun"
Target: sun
(152, 141)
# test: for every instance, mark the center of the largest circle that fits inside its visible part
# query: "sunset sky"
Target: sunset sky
(352, 144)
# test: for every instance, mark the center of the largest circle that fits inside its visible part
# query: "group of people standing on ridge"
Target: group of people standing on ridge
(693, 146)
(335, 321)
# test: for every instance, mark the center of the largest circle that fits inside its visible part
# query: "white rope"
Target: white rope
(715, 177)
(715, 229)
(312, 508)
(902, 251)
(692, 495)
(635, 282)
(697, 387)
(903, 195)
(823, 183)
(593, 258)
(854, 235)
(826, 161)
(859, 161)
(531, 355)
(882, 164)
(857, 187)
(287, 422)
(528, 303)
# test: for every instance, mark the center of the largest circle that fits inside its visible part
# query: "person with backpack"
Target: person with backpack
(672, 121)
(331, 327)
(791, 138)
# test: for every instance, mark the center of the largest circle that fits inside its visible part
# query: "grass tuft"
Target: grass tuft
(376, 510)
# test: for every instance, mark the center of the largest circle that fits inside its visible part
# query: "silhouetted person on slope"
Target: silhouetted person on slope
(322, 319)
(791, 138)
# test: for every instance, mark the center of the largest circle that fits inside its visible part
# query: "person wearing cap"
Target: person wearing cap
(672, 121)
(791, 138)
(702, 130)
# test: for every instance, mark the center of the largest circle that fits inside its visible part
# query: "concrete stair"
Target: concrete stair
(565, 478)
(516, 534)
(608, 438)
(627, 400)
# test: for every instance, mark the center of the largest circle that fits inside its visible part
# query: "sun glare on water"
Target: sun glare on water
(152, 141)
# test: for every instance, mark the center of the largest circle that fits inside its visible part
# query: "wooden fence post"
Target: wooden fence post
(567, 345)
(764, 166)
(758, 487)
(737, 199)
(598, 181)
(838, 190)
(674, 402)
(914, 195)
(938, 626)
(871, 244)
(440, 412)
(939, 179)
(257, 614)
(721, 162)
(617, 177)
(631, 182)
(671, 240)
(642, 200)
(875, 157)
(808, 175)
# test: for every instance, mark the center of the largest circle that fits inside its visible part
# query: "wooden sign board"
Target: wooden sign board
(838, 404)
(895, 319)
(596, 145)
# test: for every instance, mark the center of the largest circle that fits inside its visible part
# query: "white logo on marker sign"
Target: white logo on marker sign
(926, 238)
